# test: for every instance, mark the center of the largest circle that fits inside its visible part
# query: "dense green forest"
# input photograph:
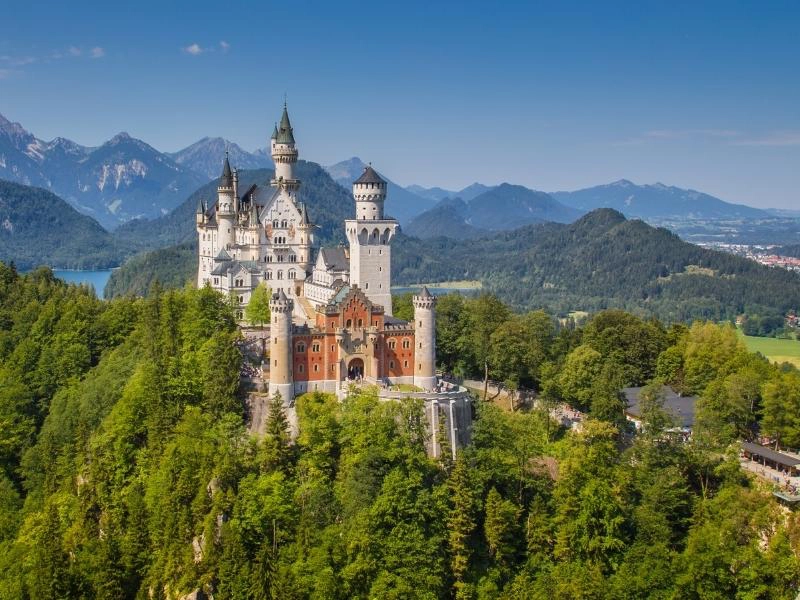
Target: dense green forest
(602, 261)
(37, 227)
(126, 470)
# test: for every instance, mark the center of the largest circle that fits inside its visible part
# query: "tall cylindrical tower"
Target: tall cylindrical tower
(369, 192)
(280, 353)
(284, 151)
(226, 213)
(425, 340)
(370, 237)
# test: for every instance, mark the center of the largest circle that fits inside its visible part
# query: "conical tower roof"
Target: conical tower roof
(227, 175)
(424, 293)
(285, 135)
(369, 175)
(274, 135)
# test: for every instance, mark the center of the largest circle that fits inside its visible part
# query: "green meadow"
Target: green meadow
(777, 350)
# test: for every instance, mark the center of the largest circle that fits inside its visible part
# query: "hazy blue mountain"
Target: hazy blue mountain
(447, 218)
(499, 208)
(115, 182)
(400, 203)
(656, 201)
(205, 157)
(37, 227)
(437, 193)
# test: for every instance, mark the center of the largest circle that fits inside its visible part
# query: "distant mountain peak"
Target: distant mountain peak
(622, 183)
(122, 136)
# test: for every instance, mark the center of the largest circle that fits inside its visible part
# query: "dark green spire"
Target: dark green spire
(200, 210)
(285, 135)
(275, 133)
(227, 175)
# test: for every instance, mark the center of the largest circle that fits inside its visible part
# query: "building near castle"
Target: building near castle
(331, 309)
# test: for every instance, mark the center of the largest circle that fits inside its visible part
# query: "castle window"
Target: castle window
(241, 299)
(269, 274)
(333, 348)
(301, 347)
(280, 274)
(276, 339)
(360, 322)
(420, 323)
(216, 280)
(315, 347)
(392, 344)
(406, 344)
(366, 286)
(420, 366)
(284, 223)
(349, 323)
(405, 363)
(391, 364)
(420, 345)
(316, 368)
(300, 368)
(291, 274)
(275, 223)
(333, 369)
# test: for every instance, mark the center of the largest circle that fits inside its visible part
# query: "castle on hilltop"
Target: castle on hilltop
(331, 314)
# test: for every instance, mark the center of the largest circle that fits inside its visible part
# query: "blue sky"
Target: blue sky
(552, 95)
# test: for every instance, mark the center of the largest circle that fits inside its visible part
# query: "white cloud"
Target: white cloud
(193, 49)
(672, 134)
(775, 139)
(74, 51)
(5, 73)
(225, 46)
(17, 61)
(97, 52)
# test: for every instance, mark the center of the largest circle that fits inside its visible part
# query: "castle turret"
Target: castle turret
(425, 340)
(370, 235)
(226, 215)
(306, 231)
(284, 151)
(280, 353)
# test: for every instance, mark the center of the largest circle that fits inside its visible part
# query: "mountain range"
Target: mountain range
(205, 157)
(657, 201)
(602, 260)
(437, 193)
(499, 208)
(119, 180)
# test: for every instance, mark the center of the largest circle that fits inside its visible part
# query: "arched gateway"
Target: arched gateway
(355, 369)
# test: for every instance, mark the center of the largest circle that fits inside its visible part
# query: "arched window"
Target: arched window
(391, 364)
(291, 274)
(360, 322)
(301, 347)
(269, 274)
(349, 323)
(392, 344)
(316, 368)
(300, 368)
(280, 274)
(284, 223)
(275, 223)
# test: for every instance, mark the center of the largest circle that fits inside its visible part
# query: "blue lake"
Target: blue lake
(98, 279)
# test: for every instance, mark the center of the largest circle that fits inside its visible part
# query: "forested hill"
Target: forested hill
(602, 260)
(37, 227)
(328, 204)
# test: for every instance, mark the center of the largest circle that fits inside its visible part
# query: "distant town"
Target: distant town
(762, 254)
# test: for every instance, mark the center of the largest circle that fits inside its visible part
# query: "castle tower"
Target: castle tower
(284, 152)
(425, 340)
(280, 353)
(306, 232)
(370, 236)
(226, 214)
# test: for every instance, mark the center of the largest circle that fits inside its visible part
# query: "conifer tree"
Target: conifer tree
(277, 437)
(460, 522)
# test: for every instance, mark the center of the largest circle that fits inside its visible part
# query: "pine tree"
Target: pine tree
(277, 437)
(460, 522)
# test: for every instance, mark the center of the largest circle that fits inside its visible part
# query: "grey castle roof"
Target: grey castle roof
(424, 293)
(226, 180)
(370, 175)
(304, 215)
(223, 256)
(335, 259)
(234, 266)
(274, 135)
(285, 135)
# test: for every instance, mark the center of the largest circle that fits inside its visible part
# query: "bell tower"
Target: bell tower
(370, 235)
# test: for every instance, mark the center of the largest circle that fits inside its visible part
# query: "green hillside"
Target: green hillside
(37, 227)
(601, 261)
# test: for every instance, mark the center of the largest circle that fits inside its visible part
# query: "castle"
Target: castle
(331, 318)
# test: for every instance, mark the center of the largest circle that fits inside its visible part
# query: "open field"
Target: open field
(776, 350)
